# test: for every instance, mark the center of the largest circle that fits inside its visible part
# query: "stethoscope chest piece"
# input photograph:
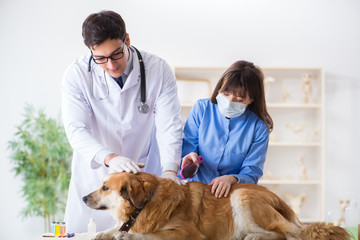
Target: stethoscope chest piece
(143, 108)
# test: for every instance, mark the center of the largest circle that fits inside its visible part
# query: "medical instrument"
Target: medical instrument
(48, 235)
(92, 227)
(69, 235)
(330, 219)
(53, 227)
(190, 169)
(352, 219)
(143, 106)
(62, 228)
(57, 229)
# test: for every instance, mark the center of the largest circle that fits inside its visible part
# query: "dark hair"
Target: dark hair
(100, 26)
(243, 78)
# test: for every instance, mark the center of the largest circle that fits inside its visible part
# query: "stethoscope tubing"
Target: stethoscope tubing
(143, 77)
(143, 107)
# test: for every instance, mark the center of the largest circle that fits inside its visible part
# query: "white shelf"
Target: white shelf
(293, 105)
(187, 104)
(289, 182)
(271, 105)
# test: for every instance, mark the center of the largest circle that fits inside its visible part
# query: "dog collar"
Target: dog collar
(127, 225)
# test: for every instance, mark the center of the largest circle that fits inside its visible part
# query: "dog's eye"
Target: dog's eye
(105, 188)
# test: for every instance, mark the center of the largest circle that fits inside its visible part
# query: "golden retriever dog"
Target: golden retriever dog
(155, 208)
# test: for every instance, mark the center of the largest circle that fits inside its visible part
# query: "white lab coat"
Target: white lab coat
(116, 124)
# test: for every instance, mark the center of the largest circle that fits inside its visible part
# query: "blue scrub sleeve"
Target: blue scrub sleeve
(190, 141)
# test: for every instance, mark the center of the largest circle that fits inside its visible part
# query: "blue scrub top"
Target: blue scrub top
(235, 146)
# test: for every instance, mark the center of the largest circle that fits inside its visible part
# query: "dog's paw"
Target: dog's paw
(103, 236)
(127, 236)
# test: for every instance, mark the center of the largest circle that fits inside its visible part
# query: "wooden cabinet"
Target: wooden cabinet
(295, 163)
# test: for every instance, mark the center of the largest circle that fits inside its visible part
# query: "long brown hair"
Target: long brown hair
(243, 78)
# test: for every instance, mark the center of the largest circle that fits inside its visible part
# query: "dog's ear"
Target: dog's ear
(149, 183)
(134, 192)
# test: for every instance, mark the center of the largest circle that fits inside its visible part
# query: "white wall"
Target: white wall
(40, 38)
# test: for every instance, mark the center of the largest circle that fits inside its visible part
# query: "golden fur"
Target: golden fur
(171, 211)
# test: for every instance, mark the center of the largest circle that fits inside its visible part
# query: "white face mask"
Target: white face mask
(228, 108)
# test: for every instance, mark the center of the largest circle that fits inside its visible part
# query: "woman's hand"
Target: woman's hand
(221, 185)
(191, 157)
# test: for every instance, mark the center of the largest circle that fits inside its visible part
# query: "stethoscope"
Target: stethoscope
(143, 107)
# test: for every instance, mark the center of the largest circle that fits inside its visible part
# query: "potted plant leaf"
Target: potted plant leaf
(41, 155)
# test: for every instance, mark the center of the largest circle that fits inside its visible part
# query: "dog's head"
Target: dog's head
(121, 191)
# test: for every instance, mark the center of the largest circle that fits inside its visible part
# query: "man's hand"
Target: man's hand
(123, 164)
(172, 175)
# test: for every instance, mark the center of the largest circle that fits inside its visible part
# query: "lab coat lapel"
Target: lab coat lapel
(132, 80)
(134, 76)
(113, 85)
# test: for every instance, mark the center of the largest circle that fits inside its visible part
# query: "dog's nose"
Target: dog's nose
(85, 199)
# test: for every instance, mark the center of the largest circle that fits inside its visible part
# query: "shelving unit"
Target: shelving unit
(191, 89)
(295, 161)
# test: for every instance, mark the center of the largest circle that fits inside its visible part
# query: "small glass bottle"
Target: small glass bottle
(53, 227)
(352, 219)
(330, 219)
(92, 227)
(57, 229)
(63, 228)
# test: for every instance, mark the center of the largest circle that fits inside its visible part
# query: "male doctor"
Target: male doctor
(108, 127)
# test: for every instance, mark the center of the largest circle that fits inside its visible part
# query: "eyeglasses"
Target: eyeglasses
(116, 55)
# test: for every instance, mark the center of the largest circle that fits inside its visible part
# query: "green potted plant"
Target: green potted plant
(41, 155)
